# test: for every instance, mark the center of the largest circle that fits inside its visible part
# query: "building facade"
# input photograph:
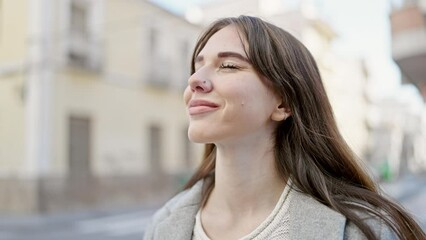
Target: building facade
(91, 109)
(408, 28)
(394, 148)
(408, 23)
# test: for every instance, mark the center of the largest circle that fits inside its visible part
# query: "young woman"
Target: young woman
(275, 165)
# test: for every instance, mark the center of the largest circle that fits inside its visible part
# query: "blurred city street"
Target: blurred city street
(129, 224)
(92, 115)
(410, 191)
(92, 225)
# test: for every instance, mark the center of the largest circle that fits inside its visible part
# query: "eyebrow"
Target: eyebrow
(224, 55)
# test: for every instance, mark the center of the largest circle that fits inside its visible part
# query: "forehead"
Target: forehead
(226, 39)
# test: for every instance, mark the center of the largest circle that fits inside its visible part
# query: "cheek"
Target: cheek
(245, 98)
(253, 102)
(240, 105)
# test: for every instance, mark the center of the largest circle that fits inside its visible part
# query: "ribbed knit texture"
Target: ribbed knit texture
(275, 226)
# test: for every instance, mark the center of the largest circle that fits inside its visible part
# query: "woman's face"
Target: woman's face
(226, 99)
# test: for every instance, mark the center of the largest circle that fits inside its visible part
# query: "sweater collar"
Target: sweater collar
(309, 219)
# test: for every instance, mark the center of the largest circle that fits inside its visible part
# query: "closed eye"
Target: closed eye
(229, 66)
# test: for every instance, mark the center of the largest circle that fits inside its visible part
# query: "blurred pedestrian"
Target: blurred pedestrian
(275, 165)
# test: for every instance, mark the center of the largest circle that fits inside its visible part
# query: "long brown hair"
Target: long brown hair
(308, 146)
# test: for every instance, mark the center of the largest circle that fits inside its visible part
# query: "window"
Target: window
(77, 54)
(153, 41)
(158, 62)
(185, 51)
(155, 148)
(83, 51)
(78, 19)
(187, 149)
(185, 63)
(79, 148)
(1, 19)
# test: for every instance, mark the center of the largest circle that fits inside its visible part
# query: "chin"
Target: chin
(198, 136)
(197, 139)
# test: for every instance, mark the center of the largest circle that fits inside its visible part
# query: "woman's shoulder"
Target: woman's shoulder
(312, 219)
(176, 208)
(380, 229)
(187, 197)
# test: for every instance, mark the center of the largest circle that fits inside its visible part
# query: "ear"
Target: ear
(280, 113)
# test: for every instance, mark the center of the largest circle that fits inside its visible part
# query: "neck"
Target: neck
(246, 179)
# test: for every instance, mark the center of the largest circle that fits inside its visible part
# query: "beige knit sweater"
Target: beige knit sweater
(275, 226)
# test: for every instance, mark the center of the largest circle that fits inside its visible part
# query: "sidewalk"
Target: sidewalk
(128, 224)
(410, 192)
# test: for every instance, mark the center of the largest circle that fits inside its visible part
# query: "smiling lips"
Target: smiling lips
(201, 106)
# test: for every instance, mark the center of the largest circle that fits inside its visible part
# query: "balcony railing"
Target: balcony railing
(82, 52)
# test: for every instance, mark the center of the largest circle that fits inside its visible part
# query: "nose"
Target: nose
(200, 83)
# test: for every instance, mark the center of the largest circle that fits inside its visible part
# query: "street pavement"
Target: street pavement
(410, 192)
(128, 224)
(94, 225)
